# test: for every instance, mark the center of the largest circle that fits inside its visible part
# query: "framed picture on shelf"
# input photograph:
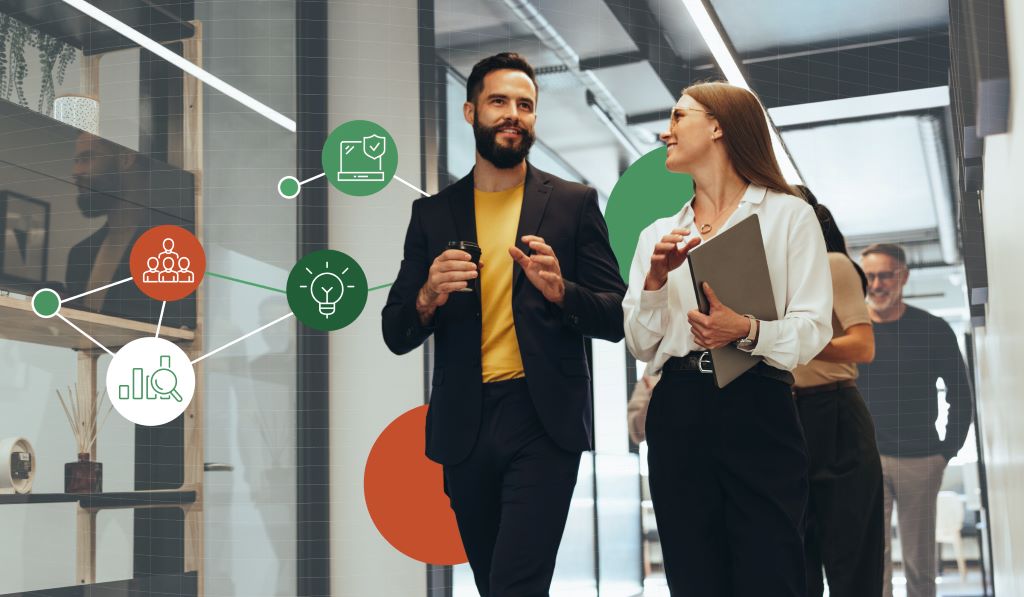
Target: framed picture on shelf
(25, 223)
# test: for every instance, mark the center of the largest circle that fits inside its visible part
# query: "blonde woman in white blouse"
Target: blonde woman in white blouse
(728, 468)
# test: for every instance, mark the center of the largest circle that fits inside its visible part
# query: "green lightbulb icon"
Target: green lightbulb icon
(335, 283)
(327, 289)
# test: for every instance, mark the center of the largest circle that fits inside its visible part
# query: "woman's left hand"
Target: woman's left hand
(721, 326)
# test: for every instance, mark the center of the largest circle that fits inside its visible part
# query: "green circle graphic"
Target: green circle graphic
(289, 186)
(645, 192)
(327, 290)
(360, 158)
(46, 303)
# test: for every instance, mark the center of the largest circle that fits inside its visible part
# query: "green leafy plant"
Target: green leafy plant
(54, 58)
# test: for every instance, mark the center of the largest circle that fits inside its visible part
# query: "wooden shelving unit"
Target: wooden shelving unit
(19, 322)
(157, 584)
(114, 500)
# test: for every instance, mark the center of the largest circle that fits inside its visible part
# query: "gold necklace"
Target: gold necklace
(706, 228)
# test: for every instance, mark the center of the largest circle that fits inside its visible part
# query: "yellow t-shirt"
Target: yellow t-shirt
(497, 220)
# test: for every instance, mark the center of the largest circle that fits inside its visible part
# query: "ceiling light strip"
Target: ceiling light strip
(714, 38)
(189, 68)
(861, 106)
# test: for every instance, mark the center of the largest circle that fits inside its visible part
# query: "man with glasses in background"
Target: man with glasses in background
(913, 349)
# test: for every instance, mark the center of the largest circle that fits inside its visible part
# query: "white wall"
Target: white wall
(374, 75)
(1001, 344)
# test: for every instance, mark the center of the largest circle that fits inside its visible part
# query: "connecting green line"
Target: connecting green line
(246, 282)
(272, 289)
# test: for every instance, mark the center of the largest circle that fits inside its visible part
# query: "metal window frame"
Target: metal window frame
(313, 555)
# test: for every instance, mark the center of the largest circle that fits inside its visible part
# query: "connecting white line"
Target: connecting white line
(312, 178)
(411, 186)
(161, 320)
(233, 342)
(77, 296)
(81, 331)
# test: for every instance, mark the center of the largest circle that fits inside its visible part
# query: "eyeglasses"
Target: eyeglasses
(881, 276)
(675, 113)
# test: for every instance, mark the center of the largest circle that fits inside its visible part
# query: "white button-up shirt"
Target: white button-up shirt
(656, 321)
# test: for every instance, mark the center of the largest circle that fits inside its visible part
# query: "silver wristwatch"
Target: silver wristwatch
(747, 344)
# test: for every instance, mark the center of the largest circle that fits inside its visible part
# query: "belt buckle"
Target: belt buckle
(701, 362)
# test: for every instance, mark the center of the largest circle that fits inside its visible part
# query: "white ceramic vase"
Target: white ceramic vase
(78, 111)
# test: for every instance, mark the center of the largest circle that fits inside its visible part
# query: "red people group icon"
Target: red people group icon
(167, 263)
(168, 267)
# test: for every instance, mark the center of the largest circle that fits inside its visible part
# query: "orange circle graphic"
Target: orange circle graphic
(405, 496)
(167, 263)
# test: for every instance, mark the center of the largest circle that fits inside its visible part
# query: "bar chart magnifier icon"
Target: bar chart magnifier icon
(145, 375)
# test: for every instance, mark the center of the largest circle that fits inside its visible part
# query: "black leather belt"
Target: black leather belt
(823, 388)
(695, 361)
(700, 362)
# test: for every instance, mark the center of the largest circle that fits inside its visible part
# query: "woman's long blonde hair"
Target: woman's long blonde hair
(745, 127)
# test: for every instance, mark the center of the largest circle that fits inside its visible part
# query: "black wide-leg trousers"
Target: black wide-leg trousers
(728, 476)
(845, 528)
(511, 496)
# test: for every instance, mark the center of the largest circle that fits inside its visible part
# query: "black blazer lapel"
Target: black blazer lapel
(535, 201)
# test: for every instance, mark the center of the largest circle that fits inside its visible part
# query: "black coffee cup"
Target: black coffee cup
(474, 253)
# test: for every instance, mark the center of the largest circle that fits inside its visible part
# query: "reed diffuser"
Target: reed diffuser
(86, 475)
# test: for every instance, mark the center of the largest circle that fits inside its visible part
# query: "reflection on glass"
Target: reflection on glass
(71, 206)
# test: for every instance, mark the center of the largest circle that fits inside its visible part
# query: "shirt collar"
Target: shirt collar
(754, 195)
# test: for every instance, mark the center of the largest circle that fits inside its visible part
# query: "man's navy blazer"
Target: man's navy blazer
(551, 338)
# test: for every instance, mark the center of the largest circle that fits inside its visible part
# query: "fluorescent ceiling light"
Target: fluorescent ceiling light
(716, 42)
(861, 107)
(192, 69)
(730, 68)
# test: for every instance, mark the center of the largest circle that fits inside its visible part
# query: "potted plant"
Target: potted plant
(54, 58)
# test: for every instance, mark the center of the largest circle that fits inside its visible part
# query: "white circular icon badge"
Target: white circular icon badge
(150, 381)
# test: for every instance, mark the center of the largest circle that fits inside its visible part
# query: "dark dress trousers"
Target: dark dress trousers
(511, 449)
(566, 215)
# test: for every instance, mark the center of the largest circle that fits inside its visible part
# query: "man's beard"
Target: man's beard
(98, 194)
(502, 156)
(881, 303)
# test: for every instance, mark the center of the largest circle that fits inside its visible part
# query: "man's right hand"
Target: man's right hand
(668, 256)
(450, 272)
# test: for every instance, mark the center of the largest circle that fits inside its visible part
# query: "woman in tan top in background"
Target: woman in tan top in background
(844, 518)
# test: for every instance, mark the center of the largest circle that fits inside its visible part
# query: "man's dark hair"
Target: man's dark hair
(894, 251)
(502, 61)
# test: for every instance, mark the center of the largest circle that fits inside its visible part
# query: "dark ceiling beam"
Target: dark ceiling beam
(610, 60)
(653, 45)
(849, 70)
(801, 76)
(647, 117)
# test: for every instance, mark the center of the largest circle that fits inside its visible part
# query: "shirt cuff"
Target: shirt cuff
(767, 334)
(651, 300)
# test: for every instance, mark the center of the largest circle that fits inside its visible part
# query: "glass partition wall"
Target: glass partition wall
(102, 138)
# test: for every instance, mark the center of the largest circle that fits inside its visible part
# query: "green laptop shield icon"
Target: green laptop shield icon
(360, 158)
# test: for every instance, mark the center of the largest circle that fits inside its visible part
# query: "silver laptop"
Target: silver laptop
(735, 265)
